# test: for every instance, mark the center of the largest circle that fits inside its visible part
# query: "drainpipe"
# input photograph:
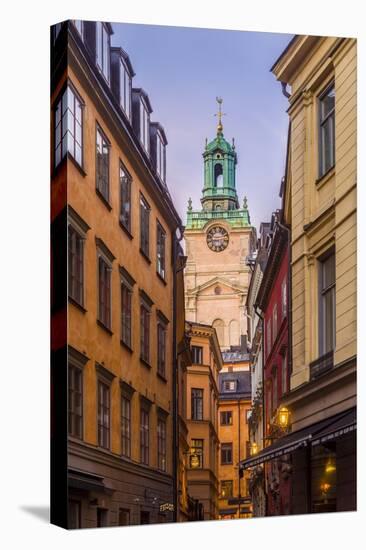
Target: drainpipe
(175, 438)
(289, 298)
(263, 410)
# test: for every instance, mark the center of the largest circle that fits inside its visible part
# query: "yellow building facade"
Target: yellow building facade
(318, 75)
(123, 256)
(234, 406)
(202, 418)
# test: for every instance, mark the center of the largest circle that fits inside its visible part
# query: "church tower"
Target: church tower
(218, 239)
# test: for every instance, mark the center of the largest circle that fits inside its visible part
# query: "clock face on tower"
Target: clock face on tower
(217, 238)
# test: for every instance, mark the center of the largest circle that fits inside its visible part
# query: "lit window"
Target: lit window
(226, 418)
(196, 454)
(327, 131)
(227, 489)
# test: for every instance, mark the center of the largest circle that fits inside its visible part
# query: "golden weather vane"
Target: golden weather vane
(220, 114)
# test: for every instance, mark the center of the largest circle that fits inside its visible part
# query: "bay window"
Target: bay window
(68, 127)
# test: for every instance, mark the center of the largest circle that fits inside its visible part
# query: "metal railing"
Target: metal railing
(321, 365)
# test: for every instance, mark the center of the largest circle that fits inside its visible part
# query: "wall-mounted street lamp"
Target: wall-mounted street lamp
(253, 449)
(283, 418)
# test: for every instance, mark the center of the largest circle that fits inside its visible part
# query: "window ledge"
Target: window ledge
(76, 304)
(103, 199)
(124, 228)
(76, 164)
(145, 256)
(161, 278)
(321, 180)
(145, 363)
(162, 377)
(125, 345)
(103, 326)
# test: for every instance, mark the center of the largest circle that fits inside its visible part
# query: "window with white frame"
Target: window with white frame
(102, 164)
(127, 283)
(229, 385)
(68, 125)
(125, 198)
(160, 156)
(104, 259)
(125, 89)
(103, 49)
(160, 250)
(144, 125)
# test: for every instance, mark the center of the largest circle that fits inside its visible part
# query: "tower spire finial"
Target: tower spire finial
(220, 114)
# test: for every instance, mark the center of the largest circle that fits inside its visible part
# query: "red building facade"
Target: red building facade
(273, 300)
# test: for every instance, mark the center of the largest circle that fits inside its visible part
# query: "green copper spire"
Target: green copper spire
(219, 197)
(220, 159)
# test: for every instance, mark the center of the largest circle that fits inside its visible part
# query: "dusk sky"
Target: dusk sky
(183, 70)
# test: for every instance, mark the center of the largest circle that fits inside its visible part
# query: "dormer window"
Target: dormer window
(144, 125)
(125, 89)
(229, 385)
(160, 156)
(103, 49)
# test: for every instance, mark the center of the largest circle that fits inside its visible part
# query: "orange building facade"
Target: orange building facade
(108, 180)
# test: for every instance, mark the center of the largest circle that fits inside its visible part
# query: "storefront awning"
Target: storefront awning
(320, 432)
(342, 426)
(86, 481)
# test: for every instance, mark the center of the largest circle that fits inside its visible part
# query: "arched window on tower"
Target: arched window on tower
(218, 325)
(219, 178)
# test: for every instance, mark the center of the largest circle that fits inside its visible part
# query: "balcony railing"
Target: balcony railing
(321, 365)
